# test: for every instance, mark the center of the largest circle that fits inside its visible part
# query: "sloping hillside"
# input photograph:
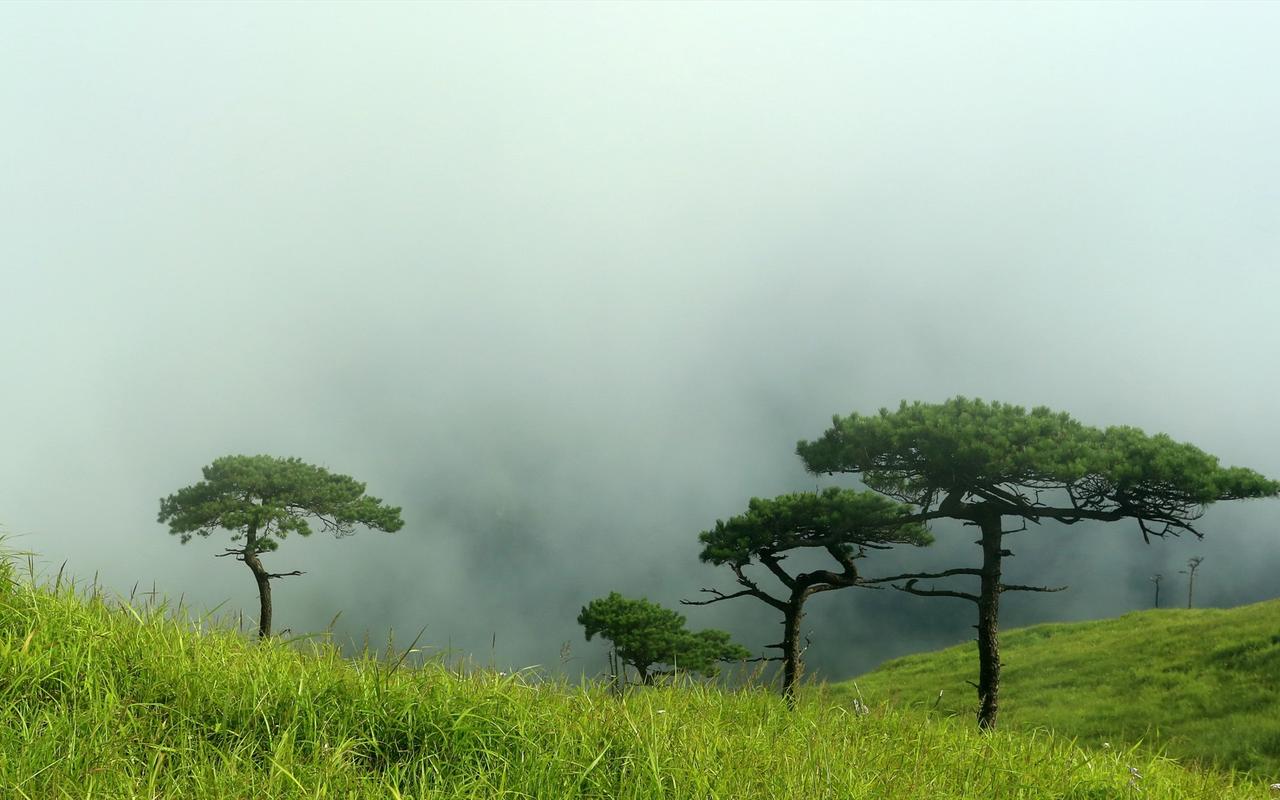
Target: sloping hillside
(104, 700)
(1202, 683)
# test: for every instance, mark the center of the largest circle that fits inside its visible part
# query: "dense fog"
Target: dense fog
(569, 281)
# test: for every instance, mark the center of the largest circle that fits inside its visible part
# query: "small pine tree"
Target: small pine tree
(645, 634)
(262, 499)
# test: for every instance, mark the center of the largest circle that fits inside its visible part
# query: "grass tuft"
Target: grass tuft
(1201, 685)
(107, 699)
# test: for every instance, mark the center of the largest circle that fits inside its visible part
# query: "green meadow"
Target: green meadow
(105, 699)
(1200, 684)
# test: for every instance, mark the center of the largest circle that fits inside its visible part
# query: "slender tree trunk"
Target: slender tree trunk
(263, 578)
(1191, 586)
(792, 654)
(989, 622)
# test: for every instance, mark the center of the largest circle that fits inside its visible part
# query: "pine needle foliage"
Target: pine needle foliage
(262, 499)
(980, 463)
(645, 634)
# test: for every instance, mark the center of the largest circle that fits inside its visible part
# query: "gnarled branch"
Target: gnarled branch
(1015, 587)
(274, 575)
(717, 596)
(919, 575)
(909, 588)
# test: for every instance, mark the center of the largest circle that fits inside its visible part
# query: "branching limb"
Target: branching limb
(839, 583)
(772, 562)
(845, 560)
(1015, 587)
(717, 596)
(909, 588)
(1168, 529)
(919, 575)
(1017, 530)
(274, 575)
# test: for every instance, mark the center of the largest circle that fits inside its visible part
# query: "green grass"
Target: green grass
(104, 700)
(1201, 684)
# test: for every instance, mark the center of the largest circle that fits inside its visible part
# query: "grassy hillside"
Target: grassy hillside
(103, 700)
(1203, 684)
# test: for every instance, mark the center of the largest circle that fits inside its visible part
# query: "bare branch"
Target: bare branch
(273, 575)
(771, 561)
(826, 587)
(846, 560)
(717, 596)
(909, 588)
(919, 575)
(1014, 587)
(1016, 530)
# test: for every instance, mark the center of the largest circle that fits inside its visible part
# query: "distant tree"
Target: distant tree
(981, 462)
(842, 522)
(1193, 564)
(1156, 580)
(645, 634)
(261, 499)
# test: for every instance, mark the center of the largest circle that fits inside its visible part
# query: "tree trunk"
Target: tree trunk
(263, 578)
(792, 658)
(989, 622)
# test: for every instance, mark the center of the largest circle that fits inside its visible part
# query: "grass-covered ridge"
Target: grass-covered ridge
(1199, 683)
(101, 699)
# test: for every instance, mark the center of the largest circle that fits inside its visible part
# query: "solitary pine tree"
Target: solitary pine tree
(1193, 564)
(842, 522)
(645, 634)
(261, 499)
(981, 462)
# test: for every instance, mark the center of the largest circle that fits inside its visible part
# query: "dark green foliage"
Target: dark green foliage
(274, 496)
(645, 634)
(980, 462)
(840, 519)
(705, 650)
(843, 522)
(261, 499)
(925, 453)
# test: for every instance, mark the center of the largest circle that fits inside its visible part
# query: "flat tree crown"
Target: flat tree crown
(645, 633)
(924, 453)
(839, 519)
(273, 497)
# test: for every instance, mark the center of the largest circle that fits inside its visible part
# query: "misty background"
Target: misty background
(569, 281)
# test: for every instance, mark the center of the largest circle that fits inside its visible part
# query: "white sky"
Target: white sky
(568, 282)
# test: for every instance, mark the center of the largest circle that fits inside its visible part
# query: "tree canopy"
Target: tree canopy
(842, 522)
(274, 497)
(645, 633)
(261, 499)
(978, 462)
(937, 455)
